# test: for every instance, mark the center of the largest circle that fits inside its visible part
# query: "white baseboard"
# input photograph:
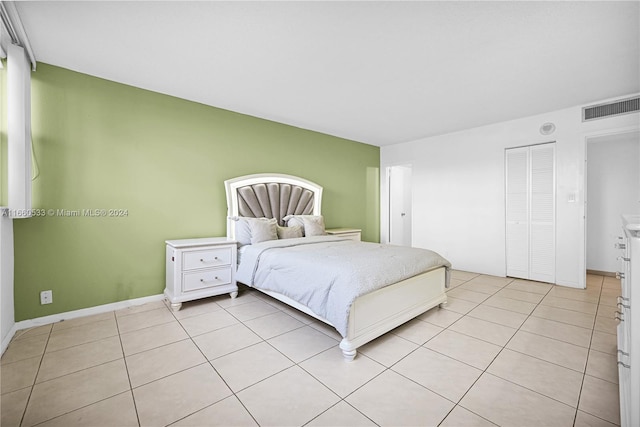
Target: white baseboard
(7, 339)
(54, 318)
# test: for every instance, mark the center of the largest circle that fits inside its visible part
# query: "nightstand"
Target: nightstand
(199, 268)
(351, 233)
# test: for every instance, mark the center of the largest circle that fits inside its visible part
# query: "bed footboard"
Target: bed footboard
(379, 312)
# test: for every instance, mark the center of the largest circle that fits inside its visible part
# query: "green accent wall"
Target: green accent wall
(104, 145)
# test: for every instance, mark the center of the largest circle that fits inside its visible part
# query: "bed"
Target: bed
(362, 289)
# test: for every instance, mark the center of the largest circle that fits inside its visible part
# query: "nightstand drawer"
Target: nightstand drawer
(351, 236)
(208, 258)
(348, 233)
(206, 279)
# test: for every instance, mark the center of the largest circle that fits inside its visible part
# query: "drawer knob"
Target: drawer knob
(203, 281)
(214, 258)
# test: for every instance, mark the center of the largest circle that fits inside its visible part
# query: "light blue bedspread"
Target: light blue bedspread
(327, 273)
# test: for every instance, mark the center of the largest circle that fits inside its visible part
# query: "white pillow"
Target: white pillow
(243, 231)
(313, 224)
(263, 229)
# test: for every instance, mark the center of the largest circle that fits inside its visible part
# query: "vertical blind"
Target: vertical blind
(20, 61)
(19, 131)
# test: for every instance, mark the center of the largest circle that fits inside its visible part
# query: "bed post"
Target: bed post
(348, 351)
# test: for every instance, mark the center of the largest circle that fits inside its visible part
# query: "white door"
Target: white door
(542, 213)
(530, 212)
(400, 205)
(517, 214)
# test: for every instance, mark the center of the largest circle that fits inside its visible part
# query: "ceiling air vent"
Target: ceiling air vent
(616, 108)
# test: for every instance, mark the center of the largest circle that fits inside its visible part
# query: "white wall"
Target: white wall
(613, 189)
(458, 189)
(7, 319)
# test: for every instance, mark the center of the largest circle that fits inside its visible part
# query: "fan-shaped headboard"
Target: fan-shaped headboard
(270, 195)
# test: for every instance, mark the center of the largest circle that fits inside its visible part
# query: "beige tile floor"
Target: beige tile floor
(503, 352)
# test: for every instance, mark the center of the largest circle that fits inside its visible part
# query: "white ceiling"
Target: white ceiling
(375, 72)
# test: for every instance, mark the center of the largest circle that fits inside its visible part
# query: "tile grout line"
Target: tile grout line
(336, 404)
(455, 404)
(26, 406)
(584, 374)
(492, 360)
(389, 368)
(386, 369)
(207, 361)
(575, 418)
(82, 407)
(340, 399)
(476, 380)
(126, 366)
(344, 399)
(519, 385)
(70, 373)
(263, 340)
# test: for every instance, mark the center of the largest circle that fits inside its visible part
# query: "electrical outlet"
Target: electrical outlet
(46, 297)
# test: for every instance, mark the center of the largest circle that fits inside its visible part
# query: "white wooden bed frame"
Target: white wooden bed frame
(373, 314)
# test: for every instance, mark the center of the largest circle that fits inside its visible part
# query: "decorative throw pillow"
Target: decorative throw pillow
(290, 232)
(313, 224)
(263, 229)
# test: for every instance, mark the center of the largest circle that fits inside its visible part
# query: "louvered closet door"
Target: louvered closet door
(517, 178)
(530, 212)
(542, 265)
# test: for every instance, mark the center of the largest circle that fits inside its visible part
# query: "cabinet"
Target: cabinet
(530, 212)
(199, 268)
(351, 233)
(629, 321)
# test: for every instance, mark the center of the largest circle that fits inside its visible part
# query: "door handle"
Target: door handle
(403, 214)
